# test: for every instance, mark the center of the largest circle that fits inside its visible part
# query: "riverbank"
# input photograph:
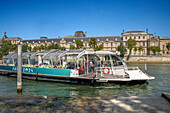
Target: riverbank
(148, 59)
(137, 104)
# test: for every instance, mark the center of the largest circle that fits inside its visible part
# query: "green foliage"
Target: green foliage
(163, 51)
(98, 48)
(79, 44)
(35, 48)
(5, 48)
(154, 49)
(72, 47)
(168, 46)
(92, 43)
(14, 47)
(122, 49)
(29, 48)
(24, 48)
(135, 49)
(62, 48)
(140, 48)
(157, 49)
(131, 43)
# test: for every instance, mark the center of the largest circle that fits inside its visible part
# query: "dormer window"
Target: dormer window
(73, 40)
(139, 37)
(107, 39)
(33, 42)
(52, 41)
(134, 37)
(126, 38)
(39, 41)
(45, 41)
(116, 39)
(98, 40)
(82, 40)
(143, 37)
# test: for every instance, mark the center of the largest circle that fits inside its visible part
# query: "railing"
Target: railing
(113, 70)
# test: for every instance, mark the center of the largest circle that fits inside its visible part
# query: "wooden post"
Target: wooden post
(19, 68)
(37, 76)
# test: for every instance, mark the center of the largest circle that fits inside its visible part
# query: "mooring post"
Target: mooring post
(19, 68)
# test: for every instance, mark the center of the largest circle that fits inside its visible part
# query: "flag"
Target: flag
(145, 68)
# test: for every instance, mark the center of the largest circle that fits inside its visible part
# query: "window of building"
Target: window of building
(153, 44)
(125, 37)
(143, 51)
(125, 43)
(134, 52)
(85, 44)
(139, 53)
(33, 42)
(98, 40)
(139, 43)
(134, 37)
(39, 41)
(103, 44)
(52, 41)
(163, 47)
(139, 37)
(73, 40)
(107, 39)
(111, 44)
(143, 43)
(130, 37)
(116, 39)
(143, 37)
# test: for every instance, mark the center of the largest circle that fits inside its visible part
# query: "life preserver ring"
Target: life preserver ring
(106, 70)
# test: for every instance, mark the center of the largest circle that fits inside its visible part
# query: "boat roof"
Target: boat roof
(53, 54)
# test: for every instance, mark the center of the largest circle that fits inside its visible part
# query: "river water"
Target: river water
(41, 88)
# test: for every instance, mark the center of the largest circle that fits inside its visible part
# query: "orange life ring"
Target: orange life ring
(106, 70)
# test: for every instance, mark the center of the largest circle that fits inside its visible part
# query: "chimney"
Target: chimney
(86, 34)
(4, 33)
(123, 30)
(58, 36)
(147, 30)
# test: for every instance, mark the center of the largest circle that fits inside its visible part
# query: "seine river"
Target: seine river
(34, 88)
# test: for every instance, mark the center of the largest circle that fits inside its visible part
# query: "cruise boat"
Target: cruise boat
(74, 66)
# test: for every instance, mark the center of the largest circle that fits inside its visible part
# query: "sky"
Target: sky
(32, 19)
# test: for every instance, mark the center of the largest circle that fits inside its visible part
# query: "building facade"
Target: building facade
(110, 43)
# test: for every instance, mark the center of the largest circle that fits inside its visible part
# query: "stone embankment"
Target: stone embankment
(150, 59)
(132, 104)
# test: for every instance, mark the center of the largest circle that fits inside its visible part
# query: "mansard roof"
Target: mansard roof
(72, 39)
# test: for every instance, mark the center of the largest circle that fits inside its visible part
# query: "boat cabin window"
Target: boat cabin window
(116, 61)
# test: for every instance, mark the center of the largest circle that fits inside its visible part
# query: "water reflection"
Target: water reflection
(31, 87)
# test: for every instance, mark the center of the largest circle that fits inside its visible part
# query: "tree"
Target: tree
(92, 43)
(24, 48)
(72, 47)
(35, 48)
(135, 49)
(122, 49)
(98, 48)
(131, 43)
(79, 44)
(168, 47)
(29, 48)
(140, 48)
(62, 48)
(5, 48)
(14, 47)
(157, 49)
(154, 49)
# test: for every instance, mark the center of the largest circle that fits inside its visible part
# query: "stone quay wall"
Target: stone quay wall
(164, 59)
